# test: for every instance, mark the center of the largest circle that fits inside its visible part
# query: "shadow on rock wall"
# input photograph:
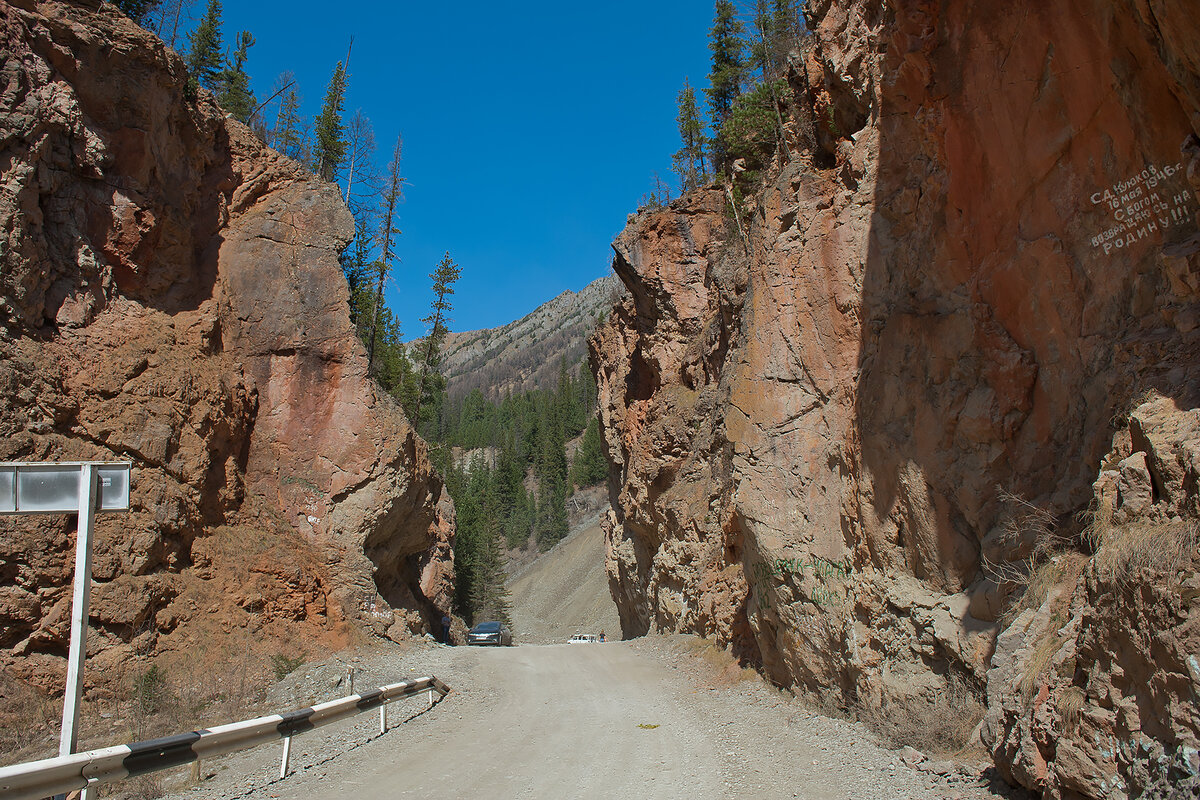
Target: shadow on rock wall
(1016, 298)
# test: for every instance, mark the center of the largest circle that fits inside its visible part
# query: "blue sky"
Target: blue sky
(530, 130)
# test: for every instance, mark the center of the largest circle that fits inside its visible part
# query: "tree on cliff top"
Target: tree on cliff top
(234, 93)
(689, 159)
(362, 176)
(137, 10)
(204, 59)
(290, 135)
(777, 25)
(387, 234)
(728, 67)
(331, 142)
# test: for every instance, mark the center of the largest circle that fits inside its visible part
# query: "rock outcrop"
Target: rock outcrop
(170, 294)
(855, 441)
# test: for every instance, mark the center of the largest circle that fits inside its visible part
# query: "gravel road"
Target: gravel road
(658, 716)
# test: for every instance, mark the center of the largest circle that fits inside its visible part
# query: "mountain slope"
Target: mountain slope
(525, 354)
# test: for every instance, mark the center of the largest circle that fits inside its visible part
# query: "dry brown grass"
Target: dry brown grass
(1037, 663)
(939, 726)
(27, 718)
(1027, 522)
(1122, 413)
(1026, 526)
(143, 787)
(1061, 574)
(1070, 707)
(1126, 554)
(725, 668)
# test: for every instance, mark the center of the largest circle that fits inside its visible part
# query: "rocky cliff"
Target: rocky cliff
(923, 441)
(170, 294)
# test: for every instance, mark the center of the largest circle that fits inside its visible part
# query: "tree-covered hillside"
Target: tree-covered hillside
(511, 485)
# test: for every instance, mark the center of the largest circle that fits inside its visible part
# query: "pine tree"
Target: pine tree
(728, 68)
(444, 277)
(551, 523)
(233, 84)
(787, 24)
(489, 595)
(288, 135)
(760, 55)
(772, 32)
(689, 159)
(590, 466)
(204, 58)
(331, 142)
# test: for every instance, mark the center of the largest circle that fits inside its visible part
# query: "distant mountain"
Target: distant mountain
(525, 354)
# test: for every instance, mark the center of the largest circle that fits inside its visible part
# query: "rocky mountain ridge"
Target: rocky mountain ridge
(170, 294)
(525, 354)
(980, 269)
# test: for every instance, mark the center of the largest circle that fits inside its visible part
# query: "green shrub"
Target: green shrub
(751, 131)
(150, 690)
(284, 666)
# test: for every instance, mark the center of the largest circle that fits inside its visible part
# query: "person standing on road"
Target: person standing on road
(602, 636)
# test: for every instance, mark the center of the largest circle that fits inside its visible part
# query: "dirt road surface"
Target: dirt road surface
(648, 718)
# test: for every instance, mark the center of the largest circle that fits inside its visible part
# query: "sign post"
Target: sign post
(80, 601)
(83, 488)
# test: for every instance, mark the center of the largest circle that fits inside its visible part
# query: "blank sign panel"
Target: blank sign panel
(8, 490)
(112, 487)
(46, 488)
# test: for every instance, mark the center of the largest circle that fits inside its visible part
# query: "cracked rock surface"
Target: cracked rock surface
(170, 294)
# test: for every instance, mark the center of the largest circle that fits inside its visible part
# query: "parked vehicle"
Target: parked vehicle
(582, 638)
(495, 633)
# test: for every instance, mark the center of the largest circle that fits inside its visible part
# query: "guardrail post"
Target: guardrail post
(383, 719)
(431, 698)
(287, 753)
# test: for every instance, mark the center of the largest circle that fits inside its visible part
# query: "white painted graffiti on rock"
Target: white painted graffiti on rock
(1141, 206)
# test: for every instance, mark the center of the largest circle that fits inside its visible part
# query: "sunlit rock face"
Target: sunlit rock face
(842, 419)
(171, 295)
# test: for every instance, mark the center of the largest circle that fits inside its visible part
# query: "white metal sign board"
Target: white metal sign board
(54, 488)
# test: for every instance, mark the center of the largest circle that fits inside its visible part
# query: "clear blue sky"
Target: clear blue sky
(530, 129)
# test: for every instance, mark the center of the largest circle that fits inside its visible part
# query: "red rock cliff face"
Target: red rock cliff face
(981, 257)
(171, 295)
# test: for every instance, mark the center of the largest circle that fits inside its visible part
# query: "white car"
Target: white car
(582, 638)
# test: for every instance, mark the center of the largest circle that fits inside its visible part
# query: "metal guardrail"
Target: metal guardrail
(39, 779)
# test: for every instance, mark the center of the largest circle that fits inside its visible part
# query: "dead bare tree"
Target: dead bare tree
(360, 157)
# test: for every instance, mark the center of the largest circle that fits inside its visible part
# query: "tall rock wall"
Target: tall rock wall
(170, 294)
(878, 441)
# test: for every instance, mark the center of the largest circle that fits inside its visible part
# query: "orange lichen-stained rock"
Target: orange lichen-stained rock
(850, 414)
(171, 295)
